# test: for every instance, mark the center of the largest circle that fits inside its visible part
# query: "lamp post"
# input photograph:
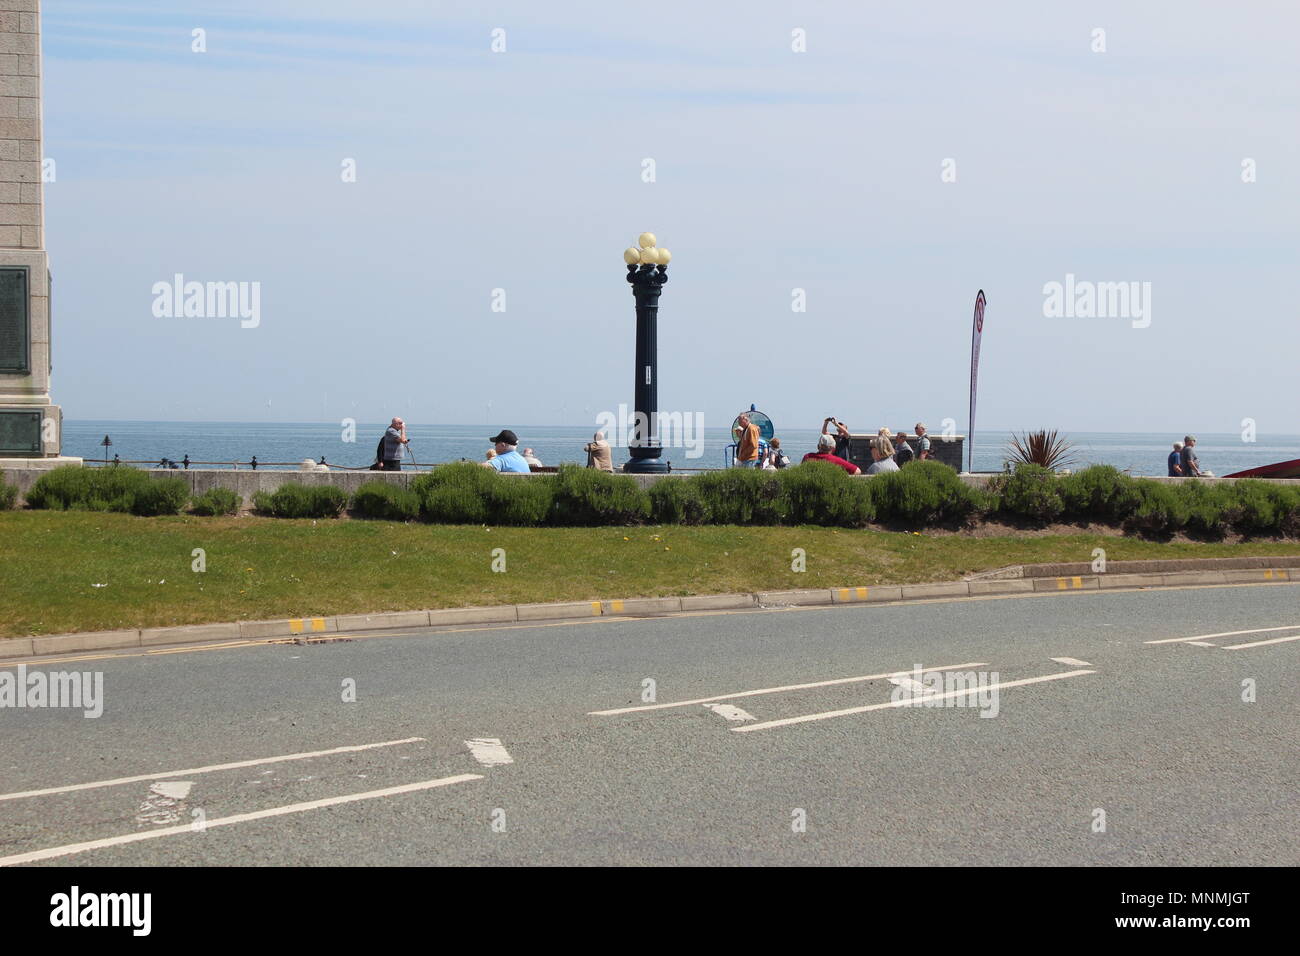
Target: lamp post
(647, 271)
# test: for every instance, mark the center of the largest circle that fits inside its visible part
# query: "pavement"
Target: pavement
(1112, 727)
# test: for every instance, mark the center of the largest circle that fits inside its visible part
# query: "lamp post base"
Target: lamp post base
(647, 466)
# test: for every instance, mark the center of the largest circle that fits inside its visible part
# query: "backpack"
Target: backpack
(379, 456)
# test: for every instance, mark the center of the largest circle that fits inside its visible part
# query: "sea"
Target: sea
(285, 445)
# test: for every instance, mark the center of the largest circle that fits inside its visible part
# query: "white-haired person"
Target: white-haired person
(922, 443)
(391, 446)
(826, 452)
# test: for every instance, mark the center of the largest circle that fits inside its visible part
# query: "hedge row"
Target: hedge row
(922, 494)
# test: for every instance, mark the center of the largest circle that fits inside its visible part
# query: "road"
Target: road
(1104, 736)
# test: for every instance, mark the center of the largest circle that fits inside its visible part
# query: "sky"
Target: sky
(888, 160)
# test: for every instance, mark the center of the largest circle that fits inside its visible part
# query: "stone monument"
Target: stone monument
(30, 424)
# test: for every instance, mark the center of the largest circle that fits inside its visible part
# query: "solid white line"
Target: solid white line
(1276, 640)
(777, 690)
(1202, 637)
(1072, 661)
(118, 781)
(1201, 644)
(730, 712)
(907, 701)
(72, 848)
(489, 751)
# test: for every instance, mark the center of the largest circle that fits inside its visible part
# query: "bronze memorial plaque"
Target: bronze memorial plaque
(20, 434)
(15, 329)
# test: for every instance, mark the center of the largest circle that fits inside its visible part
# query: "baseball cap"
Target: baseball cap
(506, 436)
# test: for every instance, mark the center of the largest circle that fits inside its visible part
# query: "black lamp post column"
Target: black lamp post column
(647, 271)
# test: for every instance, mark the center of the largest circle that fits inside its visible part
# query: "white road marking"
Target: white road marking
(730, 711)
(911, 683)
(73, 848)
(489, 751)
(213, 768)
(1202, 637)
(1071, 661)
(777, 690)
(1201, 644)
(906, 702)
(1276, 640)
(165, 802)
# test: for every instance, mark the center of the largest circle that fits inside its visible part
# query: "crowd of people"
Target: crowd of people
(889, 450)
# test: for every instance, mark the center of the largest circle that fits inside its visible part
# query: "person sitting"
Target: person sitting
(598, 453)
(532, 459)
(826, 452)
(1176, 461)
(507, 456)
(882, 454)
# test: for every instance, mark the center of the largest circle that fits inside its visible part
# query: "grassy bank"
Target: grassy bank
(269, 568)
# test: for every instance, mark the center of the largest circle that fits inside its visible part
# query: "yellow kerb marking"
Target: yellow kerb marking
(862, 594)
(595, 607)
(616, 607)
(295, 625)
(1060, 584)
(1078, 582)
(844, 594)
(318, 623)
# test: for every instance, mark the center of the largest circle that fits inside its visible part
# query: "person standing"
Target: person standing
(598, 453)
(508, 459)
(747, 451)
(394, 439)
(1191, 464)
(903, 451)
(922, 443)
(841, 436)
(776, 458)
(1176, 461)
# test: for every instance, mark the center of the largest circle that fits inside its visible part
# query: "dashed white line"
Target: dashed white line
(489, 751)
(212, 768)
(1071, 661)
(730, 712)
(164, 803)
(778, 690)
(1200, 644)
(905, 702)
(1203, 637)
(74, 848)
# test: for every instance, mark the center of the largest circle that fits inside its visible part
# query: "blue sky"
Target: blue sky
(775, 170)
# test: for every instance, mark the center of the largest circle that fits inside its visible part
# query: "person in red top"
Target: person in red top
(826, 452)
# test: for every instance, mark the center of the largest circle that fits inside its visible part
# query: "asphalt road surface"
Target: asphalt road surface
(1110, 728)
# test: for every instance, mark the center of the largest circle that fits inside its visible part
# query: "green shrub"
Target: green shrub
(677, 501)
(8, 496)
(456, 493)
(1099, 493)
(1208, 508)
(1256, 507)
(742, 496)
(817, 492)
(293, 500)
(216, 501)
(588, 496)
(1161, 509)
(160, 496)
(925, 492)
(521, 501)
(1031, 492)
(379, 499)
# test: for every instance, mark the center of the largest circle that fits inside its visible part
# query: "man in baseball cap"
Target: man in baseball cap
(508, 458)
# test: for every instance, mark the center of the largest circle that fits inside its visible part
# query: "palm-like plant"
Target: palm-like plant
(1040, 448)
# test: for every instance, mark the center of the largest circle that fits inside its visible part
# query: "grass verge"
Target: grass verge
(51, 562)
